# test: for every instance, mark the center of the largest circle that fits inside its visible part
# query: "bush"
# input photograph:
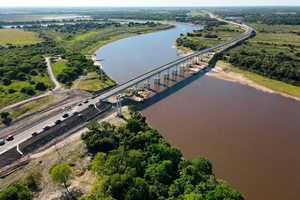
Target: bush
(4, 114)
(33, 72)
(11, 91)
(28, 90)
(21, 76)
(32, 180)
(40, 86)
(16, 192)
(6, 81)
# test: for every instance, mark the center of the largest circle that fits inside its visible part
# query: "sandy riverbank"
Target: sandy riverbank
(228, 75)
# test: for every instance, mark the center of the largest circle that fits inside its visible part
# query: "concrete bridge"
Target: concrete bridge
(173, 67)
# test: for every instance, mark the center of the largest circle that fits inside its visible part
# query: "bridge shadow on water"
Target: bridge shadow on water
(174, 84)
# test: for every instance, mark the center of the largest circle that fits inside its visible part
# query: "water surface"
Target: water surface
(251, 137)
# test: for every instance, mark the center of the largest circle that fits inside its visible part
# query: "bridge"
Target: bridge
(166, 70)
(176, 65)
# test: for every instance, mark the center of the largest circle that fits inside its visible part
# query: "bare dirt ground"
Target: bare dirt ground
(71, 150)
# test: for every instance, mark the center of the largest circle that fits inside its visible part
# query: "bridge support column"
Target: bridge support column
(102, 80)
(148, 84)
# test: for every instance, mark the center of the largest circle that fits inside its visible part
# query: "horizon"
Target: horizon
(153, 3)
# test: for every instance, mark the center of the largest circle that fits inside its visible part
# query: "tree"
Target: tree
(16, 192)
(61, 174)
(40, 86)
(4, 114)
(6, 81)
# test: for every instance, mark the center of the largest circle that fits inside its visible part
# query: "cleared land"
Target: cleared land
(18, 37)
(93, 83)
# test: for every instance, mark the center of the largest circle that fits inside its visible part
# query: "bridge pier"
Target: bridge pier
(166, 74)
(157, 79)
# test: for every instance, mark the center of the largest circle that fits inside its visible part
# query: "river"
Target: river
(252, 138)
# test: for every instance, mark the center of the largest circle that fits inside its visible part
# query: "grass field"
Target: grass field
(18, 37)
(58, 66)
(196, 13)
(94, 83)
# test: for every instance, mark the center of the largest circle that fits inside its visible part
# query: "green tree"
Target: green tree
(4, 114)
(61, 175)
(40, 86)
(16, 192)
(6, 81)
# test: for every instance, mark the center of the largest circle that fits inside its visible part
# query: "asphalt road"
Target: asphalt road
(23, 135)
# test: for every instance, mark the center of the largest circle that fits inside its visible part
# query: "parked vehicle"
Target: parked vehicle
(58, 121)
(47, 127)
(34, 133)
(75, 112)
(85, 101)
(10, 137)
(79, 104)
(65, 115)
(2, 142)
(91, 105)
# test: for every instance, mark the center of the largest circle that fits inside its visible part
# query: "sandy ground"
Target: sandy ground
(219, 71)
(238, 77)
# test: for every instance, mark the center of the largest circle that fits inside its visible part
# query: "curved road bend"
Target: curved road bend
(52, 78)
(26, 132)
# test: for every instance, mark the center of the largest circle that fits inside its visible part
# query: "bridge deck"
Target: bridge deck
(149, 74)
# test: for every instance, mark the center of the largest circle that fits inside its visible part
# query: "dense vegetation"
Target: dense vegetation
(135, 162)
(263, 15)
(208, 36)
(23, 70)
(274, 52)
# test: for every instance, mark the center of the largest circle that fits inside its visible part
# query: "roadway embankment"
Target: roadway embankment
(51, 136)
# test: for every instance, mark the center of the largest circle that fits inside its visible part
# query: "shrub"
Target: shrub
(40, 86)
(21, 76)
(33, 72)
(6, 81)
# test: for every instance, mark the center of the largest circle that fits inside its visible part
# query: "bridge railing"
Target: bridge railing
(247, 34)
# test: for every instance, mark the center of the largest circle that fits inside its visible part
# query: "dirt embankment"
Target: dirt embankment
(52, 135)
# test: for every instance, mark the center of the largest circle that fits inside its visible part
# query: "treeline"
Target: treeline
(276, 66)
(263, 15)
(142, 14)
(135, 162)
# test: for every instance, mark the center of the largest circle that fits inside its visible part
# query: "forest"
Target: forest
(135, 162)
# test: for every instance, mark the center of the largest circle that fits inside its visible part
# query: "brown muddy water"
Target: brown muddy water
(252, 138)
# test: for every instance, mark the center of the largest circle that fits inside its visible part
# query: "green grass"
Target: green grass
(81, 37)
(18, 37)
(58, 65)
(39, 104)
(94, 84)
(270, 83)
(193, 13)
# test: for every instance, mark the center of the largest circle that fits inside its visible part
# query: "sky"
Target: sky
(145, 3)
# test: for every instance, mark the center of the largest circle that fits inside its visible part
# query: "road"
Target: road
(26, 132)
